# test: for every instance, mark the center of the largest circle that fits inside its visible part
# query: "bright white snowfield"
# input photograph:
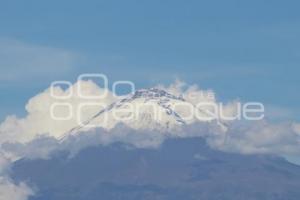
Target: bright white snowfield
(147, 109)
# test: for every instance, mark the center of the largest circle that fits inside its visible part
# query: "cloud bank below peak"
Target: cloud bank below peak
(9, 189)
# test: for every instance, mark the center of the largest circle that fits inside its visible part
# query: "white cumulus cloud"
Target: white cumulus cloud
(39, 120)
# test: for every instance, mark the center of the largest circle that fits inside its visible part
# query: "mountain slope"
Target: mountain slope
(179, 169)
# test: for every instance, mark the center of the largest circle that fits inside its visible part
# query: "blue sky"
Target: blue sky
(247, 50)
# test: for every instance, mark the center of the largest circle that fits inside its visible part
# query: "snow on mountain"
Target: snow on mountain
(147, 109)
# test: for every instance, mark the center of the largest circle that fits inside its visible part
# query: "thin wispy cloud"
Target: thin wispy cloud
(22, 60)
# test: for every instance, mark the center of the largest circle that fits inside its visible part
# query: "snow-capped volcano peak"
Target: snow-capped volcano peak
(155, 93)
(146, 109)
